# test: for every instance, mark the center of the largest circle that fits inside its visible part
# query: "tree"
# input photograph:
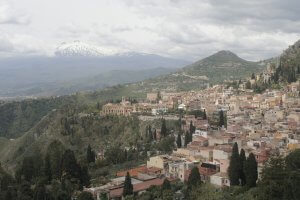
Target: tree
(188, 138)
(272, 183)
(234, 166)
(128, 187)
(149, 134)
(55, 151)
(250, 169)
(154, 135)
(178, 141)
(166, 185)
(90, 155)
(63, 195)
(192, 128)
(47, 168)
(25, 192)
(70, 168)
(293, 175)
(194, 178)
(11, 194)
(204, 115)
(26, 171)
(242, 170)
(41, 193)
(84, 176)
(253, 76)
(85, 196)
(248, 85)
(164, 130)
(293, 160)
(222, 121)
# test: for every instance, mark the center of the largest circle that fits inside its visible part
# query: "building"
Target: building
(220, 179)
(124, 108)
(152, 97)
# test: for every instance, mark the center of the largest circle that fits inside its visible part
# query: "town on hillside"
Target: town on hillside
(214, 123)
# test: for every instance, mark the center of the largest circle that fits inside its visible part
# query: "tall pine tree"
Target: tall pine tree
(250, 169)
(221, 118)
(192, 128)
(128, 187)
(194, 178)
(47, 169)
(178, 141)
(90, 155)
(164, 130)
(234, 166)
(242, 162)
(204, 115)
(166, 185)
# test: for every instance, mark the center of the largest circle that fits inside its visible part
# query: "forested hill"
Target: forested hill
(18, 117)
(289, 65)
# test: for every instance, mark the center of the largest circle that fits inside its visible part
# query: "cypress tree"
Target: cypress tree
(248, 85)
(128, 188)
(25, 191)
(150, 134)
(204, 115)
(194, 178)
(41, 193)
(187, 138)
(242, 161)
(85, 196)
(250, 169)
(84, 176)
(47, 169)
(234, 166)
(166, 185)
(164, 128)
(90, 155)
(178, 141)
(70, 167)
(221, 118)
(192, 128)
(154, 135)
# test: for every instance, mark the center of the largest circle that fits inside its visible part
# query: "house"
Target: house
(220, 179)
(222, 152)
(160, 162)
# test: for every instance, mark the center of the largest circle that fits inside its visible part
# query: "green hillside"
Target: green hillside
(288, 69)
(223, 65)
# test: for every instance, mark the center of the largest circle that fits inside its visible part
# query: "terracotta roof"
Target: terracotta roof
(137, 187)
(134, 171)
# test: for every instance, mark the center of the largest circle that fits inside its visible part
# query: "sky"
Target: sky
(185, 29)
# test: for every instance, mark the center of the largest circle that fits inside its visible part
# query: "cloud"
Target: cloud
(10, 16)
(193, 29)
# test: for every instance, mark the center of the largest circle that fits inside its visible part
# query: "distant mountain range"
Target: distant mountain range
(75, 62)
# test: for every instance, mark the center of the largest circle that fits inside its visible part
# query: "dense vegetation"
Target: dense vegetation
(18, 117)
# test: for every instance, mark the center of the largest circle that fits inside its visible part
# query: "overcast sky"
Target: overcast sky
(187, 29)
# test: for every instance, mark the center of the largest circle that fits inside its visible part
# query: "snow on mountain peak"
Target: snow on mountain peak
(78, 48)
(81, 49)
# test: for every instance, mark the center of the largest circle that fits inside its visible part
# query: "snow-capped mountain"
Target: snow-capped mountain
(82, 49)
(78, 48)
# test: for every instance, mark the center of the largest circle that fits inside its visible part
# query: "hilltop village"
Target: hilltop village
(211, 122)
